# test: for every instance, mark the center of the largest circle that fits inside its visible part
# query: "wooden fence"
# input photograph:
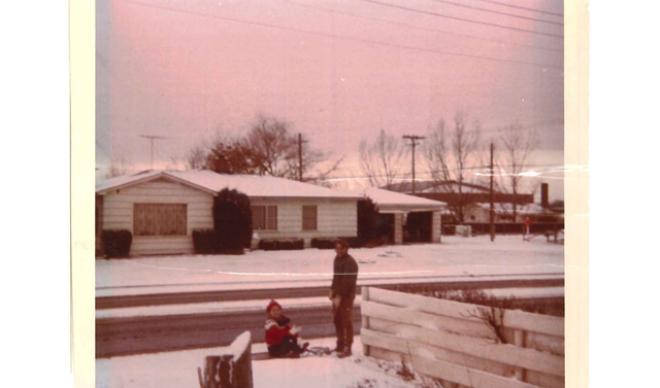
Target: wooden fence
(463, 345)
(230, 369)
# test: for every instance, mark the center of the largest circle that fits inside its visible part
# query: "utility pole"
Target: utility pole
(300, 159)
(492, 195)
(413, 142)
(152, 138)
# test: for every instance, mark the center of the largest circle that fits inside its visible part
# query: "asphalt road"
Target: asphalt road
(136, 335)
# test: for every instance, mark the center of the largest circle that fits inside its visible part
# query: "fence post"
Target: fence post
(365, 319)
(242, 373)
(226, 372)
(519, 339)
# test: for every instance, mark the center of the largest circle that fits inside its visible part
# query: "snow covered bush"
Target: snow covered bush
(232, 221)
(116, 242)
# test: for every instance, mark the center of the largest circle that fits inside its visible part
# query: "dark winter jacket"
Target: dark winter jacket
(345, 277)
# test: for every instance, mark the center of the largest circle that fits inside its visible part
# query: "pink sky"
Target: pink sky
(189, 69)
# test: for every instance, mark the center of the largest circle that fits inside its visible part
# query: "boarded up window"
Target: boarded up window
(310, 217)
(160, 219)
(264, 217)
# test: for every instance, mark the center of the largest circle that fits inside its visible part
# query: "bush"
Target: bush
(329, 243)
(205, 241)
(280, 245)
(117, 242)
(367, 218)
(323, 243)
(232, 221)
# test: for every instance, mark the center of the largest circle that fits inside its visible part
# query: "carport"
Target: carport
(414, 219)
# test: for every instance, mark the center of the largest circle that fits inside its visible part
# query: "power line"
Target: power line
(411, 26)
(521, 7)
(342, 37)
(466, 20)
(455, 4)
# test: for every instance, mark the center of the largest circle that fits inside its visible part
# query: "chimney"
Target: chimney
(544, 195)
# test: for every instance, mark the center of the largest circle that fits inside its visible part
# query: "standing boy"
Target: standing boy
(342, 295)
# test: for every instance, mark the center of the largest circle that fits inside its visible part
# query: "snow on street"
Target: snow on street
(456, 256)
(179, 369)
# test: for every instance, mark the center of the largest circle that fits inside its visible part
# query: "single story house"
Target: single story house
(162, 208)
(412, 218)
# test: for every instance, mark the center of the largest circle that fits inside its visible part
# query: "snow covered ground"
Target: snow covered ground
(456, 256)
(179, 369)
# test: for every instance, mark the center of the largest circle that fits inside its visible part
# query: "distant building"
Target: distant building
(453, 194)
(162, 208)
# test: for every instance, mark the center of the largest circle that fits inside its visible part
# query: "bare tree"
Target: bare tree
(451, 154)
(232, 156)
(196, 158)
(517, 143)
(381, 161)
(269, 148)
(323, 175)
(117, 167)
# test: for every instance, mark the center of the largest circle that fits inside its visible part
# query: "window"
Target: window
(160, 219)
(264, 217)
(309, 217)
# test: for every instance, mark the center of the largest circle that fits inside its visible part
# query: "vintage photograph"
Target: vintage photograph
(329, 193)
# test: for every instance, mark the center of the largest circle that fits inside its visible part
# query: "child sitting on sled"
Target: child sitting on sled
(281, 335)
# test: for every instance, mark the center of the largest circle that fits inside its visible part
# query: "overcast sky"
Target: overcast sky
(338, 71)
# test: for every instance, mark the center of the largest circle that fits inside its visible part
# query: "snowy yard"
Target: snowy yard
(456, 256)
(179, 369)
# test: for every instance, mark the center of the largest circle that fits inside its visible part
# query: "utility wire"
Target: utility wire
(342, 37)
(462, 5)
(521, 7)
(466, 20)
(411, 26)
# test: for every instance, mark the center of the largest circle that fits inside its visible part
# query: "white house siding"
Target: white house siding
(118, 214)
(335, 218)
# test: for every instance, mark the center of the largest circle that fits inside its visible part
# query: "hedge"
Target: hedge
(282, 244)
(329, 243)
(117, 242)
(204, 241)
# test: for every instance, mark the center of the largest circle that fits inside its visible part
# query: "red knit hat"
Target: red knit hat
(272, 304)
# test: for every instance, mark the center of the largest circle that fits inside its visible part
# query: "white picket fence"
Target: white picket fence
(452, 341)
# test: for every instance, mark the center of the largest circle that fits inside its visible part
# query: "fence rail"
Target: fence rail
(463, 344)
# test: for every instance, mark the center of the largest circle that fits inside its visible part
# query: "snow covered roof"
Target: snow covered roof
(212, 182)
(392, 202)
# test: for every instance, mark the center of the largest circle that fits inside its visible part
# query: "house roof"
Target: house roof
(392, 202)
(212, 182)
